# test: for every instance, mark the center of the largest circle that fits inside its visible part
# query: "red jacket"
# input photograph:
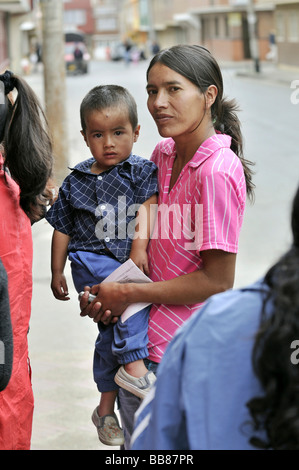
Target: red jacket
(16, 401)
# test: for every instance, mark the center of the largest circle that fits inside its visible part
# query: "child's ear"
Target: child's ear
(136, 133)
(84, 137)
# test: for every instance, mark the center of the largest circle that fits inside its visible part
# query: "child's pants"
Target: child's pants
(116, 344)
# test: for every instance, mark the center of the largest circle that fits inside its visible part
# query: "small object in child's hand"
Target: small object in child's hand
(90, 298)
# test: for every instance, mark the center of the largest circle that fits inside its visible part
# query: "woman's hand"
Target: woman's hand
(112, 298)
(109, 303)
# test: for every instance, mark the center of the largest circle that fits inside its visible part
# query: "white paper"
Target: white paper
(129, 272)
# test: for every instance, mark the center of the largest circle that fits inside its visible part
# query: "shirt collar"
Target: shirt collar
(207, 148)
(259, 285)
(84, 167)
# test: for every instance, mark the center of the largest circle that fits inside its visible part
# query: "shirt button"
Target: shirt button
(107, 239)
(100, 177)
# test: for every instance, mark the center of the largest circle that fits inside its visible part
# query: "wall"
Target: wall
(4, 62)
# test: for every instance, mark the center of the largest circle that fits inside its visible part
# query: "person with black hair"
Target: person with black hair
(203, 183)
(229, 379)
(25, 173)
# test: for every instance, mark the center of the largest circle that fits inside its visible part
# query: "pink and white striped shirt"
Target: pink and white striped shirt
(204, 210)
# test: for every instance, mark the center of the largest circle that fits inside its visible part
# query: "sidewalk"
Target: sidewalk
(269, 71)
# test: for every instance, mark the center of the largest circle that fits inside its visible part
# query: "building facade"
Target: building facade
(287, 32)
(107, 33)
(4, 53)
(220, 25)
(226, 27)
(78, 17)
(18, 27)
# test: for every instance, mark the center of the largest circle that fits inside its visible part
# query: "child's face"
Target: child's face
(110, 136)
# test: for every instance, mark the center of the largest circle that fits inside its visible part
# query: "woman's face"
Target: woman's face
(175, 103)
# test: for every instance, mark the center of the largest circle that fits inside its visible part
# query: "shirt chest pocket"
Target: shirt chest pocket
(114, 192)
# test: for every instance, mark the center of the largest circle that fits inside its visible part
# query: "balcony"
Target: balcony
(15, 6)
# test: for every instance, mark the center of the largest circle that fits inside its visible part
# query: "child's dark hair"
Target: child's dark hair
(276, 412)
(107, 96)
(26, 145)
(198, 65)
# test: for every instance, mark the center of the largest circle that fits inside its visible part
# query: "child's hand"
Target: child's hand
(59, 287)
(140, 258)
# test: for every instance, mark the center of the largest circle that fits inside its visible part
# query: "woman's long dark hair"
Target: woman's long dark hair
(198, 65)
(277, 412)
(27, 147)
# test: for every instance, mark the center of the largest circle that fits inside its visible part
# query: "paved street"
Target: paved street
(60, 341)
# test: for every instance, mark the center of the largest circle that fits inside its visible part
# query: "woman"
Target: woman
(202, 171)
(244, 346)
(25, 168)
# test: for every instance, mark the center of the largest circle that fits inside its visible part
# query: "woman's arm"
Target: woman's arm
(217, 275)
(143, 230)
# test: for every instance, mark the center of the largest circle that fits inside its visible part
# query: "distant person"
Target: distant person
(127, 52)
(108, 53)
(25, 168)
(78, 57)
(272, 53)
(78, 54)
(142, 53)
(155, 48)
(135, 55)
(25, 65)
(33, 61)
(113, 176)
(202, 171)
(229, 379)
(39, 53)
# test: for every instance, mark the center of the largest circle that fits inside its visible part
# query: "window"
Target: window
(280, 26)
(75, 17)
(106, 24)
(216, 27)
(226, 26)
(205, 29)
(293, 25)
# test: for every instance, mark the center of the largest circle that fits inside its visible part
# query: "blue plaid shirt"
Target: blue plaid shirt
(93, 209)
